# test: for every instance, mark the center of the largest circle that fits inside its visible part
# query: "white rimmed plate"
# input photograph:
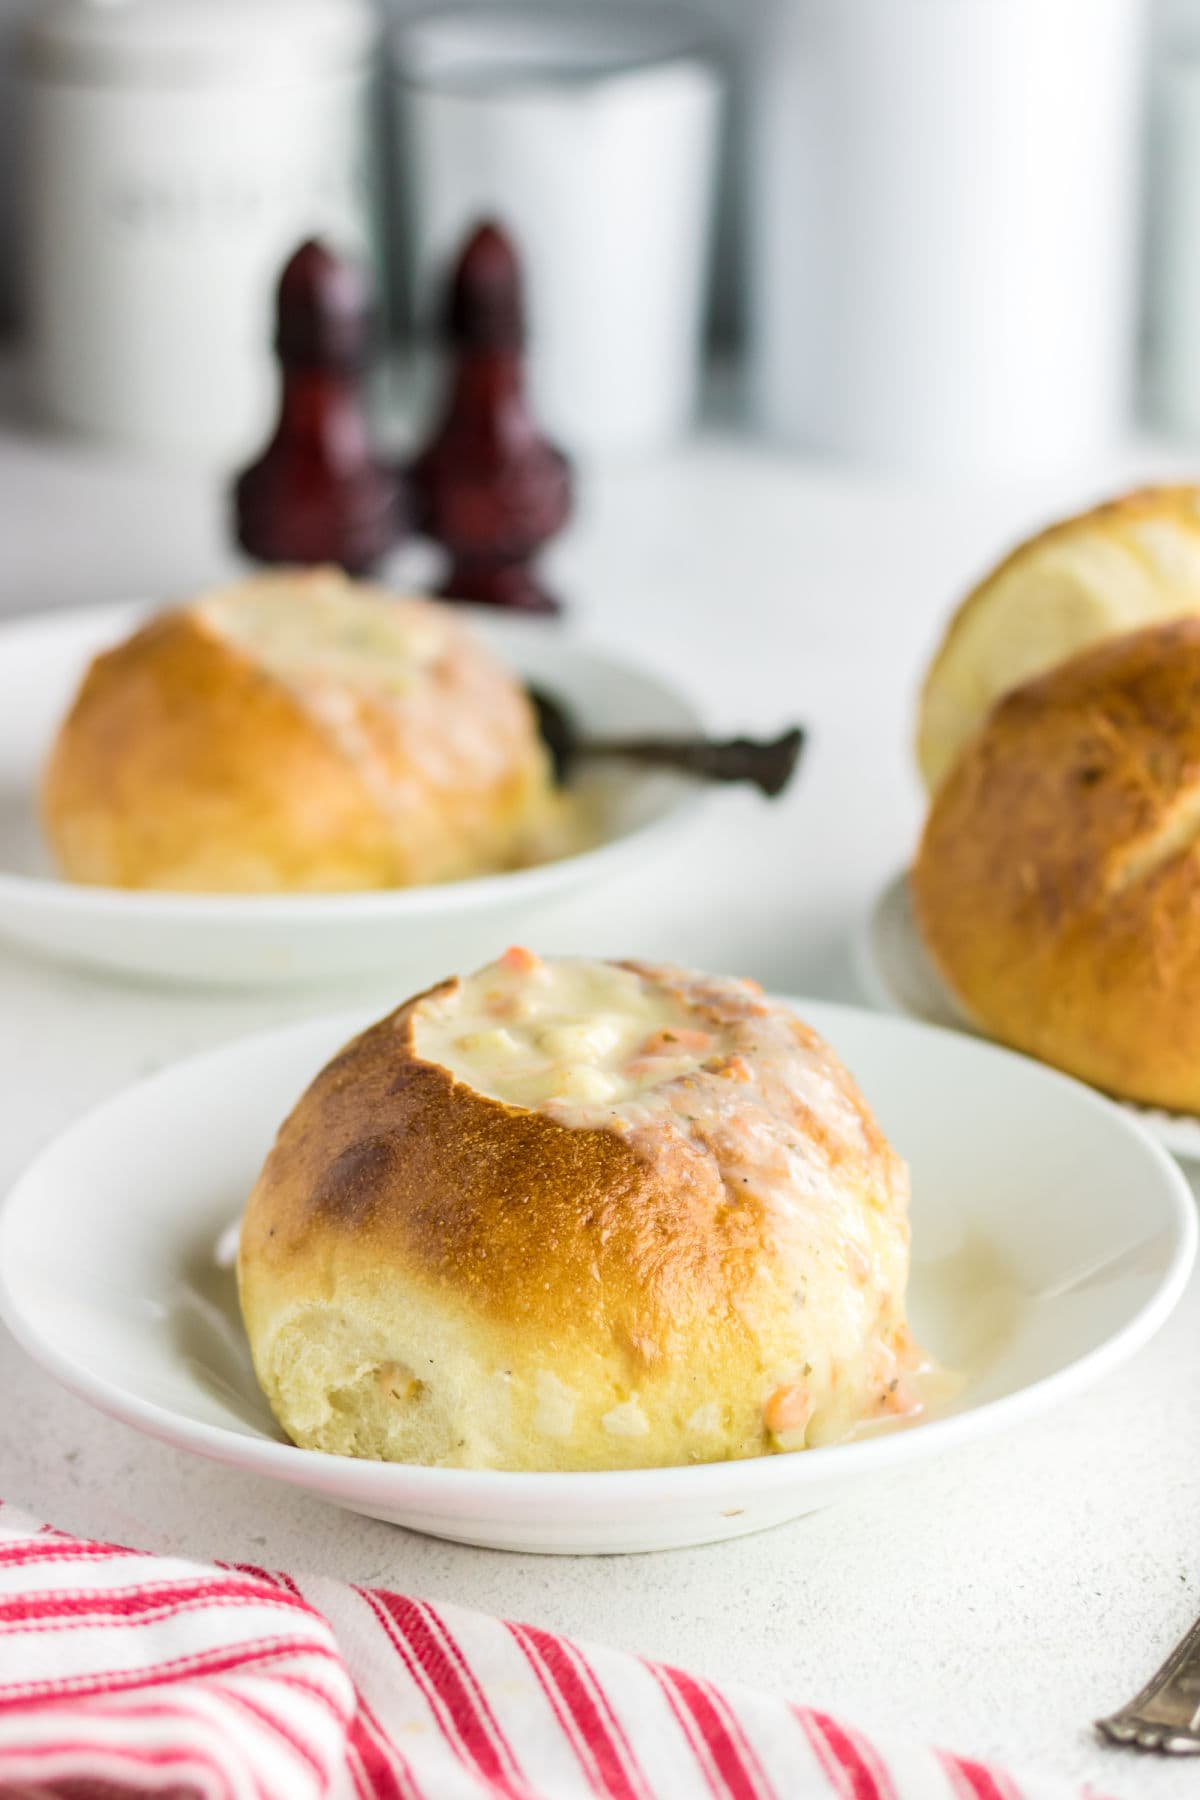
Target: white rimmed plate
(288, 939)
(896, 973)
(1051, 1237)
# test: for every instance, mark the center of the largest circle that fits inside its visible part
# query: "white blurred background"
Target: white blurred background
(946, 238)
(733, 22)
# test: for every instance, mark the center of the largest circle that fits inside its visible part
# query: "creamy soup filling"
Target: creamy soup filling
(565, 1035)
(640, 1051)
(331, 633)
(457, 720)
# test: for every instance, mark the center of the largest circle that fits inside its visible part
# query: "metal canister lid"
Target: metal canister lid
(191, 43)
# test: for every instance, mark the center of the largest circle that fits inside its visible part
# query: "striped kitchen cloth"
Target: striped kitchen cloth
(127, 1674)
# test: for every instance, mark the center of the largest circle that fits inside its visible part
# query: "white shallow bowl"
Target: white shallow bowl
(290, 939)
(1051, 1237)
(897, 973)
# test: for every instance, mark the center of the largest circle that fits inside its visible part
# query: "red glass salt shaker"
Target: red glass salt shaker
(318, 494)
(488, 486)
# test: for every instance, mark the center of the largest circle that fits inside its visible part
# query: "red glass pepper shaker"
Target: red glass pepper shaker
(488, 486)
(317, 494)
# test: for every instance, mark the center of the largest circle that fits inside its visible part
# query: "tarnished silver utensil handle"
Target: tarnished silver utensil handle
(1166, 1714)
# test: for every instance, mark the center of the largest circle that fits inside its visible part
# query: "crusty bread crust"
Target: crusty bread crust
(1057, 884)
(428, 1274)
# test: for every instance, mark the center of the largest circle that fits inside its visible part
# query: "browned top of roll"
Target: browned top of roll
(400, 1165)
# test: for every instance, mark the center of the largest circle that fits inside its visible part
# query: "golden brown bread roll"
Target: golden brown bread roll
(579, 1215)
(297, 731)
(1057, 884)
(1128, 563)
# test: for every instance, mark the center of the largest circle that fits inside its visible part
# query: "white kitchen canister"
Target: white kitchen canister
(944, 207)
(179, 150)
(1173, 284)
(590, 134)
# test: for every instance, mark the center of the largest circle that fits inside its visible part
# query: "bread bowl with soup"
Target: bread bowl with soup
(297, 731)
(566, 1214)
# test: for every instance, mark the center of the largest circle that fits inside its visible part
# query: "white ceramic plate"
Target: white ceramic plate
(302, 938)
(1051, 1237)
(896, 973)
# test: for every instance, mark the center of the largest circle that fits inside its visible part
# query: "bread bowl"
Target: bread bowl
(570, 1214)
(296, 731)
(1131, 562)
(1057, 884)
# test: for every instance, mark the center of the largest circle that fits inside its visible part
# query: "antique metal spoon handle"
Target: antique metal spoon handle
(768, 765)
(1166, 1714)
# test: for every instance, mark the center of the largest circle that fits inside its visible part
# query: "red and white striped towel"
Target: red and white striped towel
(129, 1674)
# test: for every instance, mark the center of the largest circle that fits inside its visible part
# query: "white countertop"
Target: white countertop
(996, 1602)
